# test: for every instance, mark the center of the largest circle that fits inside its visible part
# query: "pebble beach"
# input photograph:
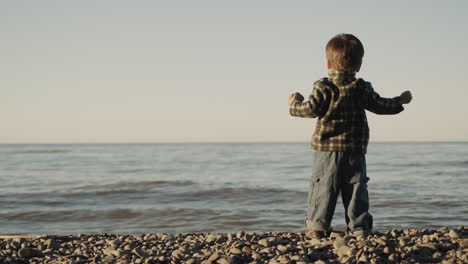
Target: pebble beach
(445, 245)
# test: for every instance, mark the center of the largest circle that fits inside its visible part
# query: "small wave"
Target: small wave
(131, 187)
(414, 204)
(83, 215)
(106, 189)
(77, 215)
(460, 163)
(247, 194)
(127, 171)
(40, 151)
(437, 164)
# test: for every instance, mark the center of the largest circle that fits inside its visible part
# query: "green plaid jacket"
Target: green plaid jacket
(340, 102)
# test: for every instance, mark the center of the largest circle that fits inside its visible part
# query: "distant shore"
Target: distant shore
(444, 245)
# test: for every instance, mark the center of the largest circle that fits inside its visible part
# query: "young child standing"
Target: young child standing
(341, 137)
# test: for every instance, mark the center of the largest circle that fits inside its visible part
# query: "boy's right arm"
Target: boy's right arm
(315, 106)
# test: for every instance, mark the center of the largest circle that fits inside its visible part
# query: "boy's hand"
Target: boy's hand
(406, 97)
(295, 97)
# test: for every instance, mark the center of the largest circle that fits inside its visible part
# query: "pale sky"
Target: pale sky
(177, 71)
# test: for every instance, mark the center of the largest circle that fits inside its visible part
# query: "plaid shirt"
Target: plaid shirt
(340, 102)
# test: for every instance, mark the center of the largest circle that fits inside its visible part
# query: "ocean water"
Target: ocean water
(215, 187)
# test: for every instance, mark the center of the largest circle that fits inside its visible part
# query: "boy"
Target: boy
(341, 137)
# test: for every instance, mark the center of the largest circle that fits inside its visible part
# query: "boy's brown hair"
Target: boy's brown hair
(344, 53)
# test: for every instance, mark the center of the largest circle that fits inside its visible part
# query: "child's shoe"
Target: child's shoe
(310, 233)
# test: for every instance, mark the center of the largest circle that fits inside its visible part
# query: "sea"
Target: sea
(216, 187)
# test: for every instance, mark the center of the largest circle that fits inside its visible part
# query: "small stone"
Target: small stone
(25, 245)
(247, 250)
(256, 256)
(111, 252)
(339, 243)
(282, 248)
(263, 242)
(190, 261)
(381, 242)
(177, 254)
(344, 250)
(427, 245)
(388, 250)
(363, 258)
(327, 243)
(361, 244)
(140, 252)
(271, 241)
(453, 234)
(464, 243)
(320, 262)
(402, 243)
(214, 257)
(223, 261)
(413, 232)
(425, 250)
(211, 238)
(335, 235)
(315, 242)
(27, 252)
(236, 251)
(15, 245)
(395, 233)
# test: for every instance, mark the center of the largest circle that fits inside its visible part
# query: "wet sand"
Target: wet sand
(445, 245)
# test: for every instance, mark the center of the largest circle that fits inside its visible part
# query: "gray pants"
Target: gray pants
(334, 172)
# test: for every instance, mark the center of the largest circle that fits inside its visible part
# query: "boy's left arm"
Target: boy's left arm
(382, 106)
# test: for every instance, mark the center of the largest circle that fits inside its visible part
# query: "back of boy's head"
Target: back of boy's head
(344, 53)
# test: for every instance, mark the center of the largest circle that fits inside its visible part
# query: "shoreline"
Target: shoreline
(444, 245)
